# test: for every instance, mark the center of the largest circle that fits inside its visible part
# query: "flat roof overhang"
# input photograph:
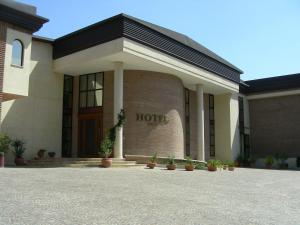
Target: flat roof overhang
(137, 56)
(21, 18)
(164, 40)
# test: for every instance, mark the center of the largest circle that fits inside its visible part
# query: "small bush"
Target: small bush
(19, 147)
(4, 142)
(153, 158)
(269, 160)
(200, 166)
(189, 161)
(171, 160)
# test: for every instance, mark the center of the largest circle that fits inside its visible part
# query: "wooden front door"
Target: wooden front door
(89, 134)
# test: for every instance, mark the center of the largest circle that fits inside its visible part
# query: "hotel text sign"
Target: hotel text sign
(152, 119)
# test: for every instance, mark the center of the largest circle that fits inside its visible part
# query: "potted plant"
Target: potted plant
(213, 164)
(152, 162)
(269, 161)
(106, 151)
(41, 154)
(18, 151)
(107, 145)
(281, 159)
(230, 166)
(4, 147)
(171, 163)
(51, 154)
(189, 165)
(225, 166)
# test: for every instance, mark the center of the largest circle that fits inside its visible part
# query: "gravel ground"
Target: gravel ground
(141, 196)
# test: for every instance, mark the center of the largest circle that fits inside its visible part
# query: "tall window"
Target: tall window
(212, 151)
(67, 117)
(17, 53)
(244, 138)
(187, 123)
(91, 90)
(241, 115)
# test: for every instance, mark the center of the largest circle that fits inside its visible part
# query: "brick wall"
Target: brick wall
(275, 126)
(149, 93)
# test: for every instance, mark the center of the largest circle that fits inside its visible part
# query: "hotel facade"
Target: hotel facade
(180, 98)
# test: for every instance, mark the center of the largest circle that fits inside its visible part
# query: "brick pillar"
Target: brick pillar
(3, 30)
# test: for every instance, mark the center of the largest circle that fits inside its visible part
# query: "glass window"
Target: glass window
(99, 81)
(91, 82)
(90, 99)
(82, 83)
(83, 100)
(187, 122)
(91, 90)
(67, 117)
(98, 98)
(17, 53)
(212, 125)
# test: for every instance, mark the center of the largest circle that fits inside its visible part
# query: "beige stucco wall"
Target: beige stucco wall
(37, 118)
(16, 80)
(226, 126)
(193, 125)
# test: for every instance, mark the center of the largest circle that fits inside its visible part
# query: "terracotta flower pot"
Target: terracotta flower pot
(211, 168)
(19, 161)
(106, 162)
(189, 167)
(171, 166)
(2, 159)
(231, 168)
(41, 153)
(151, 165)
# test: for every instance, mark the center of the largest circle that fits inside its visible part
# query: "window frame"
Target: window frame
(212, 132)
(66, 143)
(187, 122)
(22, 54)
(87, 90)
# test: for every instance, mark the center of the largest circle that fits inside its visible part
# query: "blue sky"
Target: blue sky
(261, 37)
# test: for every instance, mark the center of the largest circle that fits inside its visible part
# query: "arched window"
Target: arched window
(17, 53)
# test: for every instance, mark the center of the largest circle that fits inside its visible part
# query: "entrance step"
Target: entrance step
(77, 162)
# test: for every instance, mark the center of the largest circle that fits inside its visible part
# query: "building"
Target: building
(180, 98)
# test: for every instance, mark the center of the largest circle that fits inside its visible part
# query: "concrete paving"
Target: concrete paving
(142, 196)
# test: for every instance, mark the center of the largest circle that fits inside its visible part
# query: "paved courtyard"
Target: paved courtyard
(141, 196)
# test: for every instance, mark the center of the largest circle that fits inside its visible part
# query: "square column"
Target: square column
(227, 126)
(118, 105)
(200, 123)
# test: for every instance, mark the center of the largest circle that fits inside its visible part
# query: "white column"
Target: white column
(200, 123)
(118, 105)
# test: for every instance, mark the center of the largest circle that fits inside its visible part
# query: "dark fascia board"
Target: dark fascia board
(125, 26)
(21, 19)
(272, 84)
(243, 87)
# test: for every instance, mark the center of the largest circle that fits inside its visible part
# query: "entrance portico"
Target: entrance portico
(125, 56)
(147, 79)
